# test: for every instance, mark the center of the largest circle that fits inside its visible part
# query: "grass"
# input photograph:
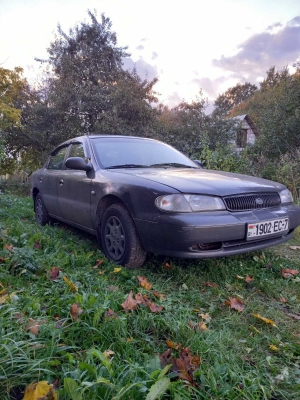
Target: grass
(236, 359)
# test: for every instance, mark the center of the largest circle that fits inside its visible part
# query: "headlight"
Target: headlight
(189, 203)
(286, 196)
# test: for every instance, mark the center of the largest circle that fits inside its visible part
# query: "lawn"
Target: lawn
(183, 330)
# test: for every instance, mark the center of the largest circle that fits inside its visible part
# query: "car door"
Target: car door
(74, 191)
(49, 179)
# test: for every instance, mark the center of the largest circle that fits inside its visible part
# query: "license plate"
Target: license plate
(266, 228)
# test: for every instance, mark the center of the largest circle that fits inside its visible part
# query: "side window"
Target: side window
(77, 150)
(57, 159)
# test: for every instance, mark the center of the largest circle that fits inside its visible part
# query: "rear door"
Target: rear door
(74, 191)
(49, 179)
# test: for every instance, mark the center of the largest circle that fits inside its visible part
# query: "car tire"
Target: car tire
(120, 240)
(41, 212)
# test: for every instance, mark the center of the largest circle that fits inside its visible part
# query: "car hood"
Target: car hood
(203, 181)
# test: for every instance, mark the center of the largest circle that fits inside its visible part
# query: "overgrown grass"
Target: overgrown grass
(236, 359)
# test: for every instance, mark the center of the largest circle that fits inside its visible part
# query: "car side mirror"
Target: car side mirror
(199, 163)
(78, 163)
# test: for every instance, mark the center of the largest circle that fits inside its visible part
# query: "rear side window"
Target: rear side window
(57, 159)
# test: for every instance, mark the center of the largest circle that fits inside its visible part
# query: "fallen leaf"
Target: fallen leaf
(184, 286)
(295, 247)
(172, 345)
(9, 247)
(206, 317)
(110, 313)
(140, 298)
(295, 316)
(154, 307)
(289, 273)
(70, 284)
(75, 311)
(282, 299)
(98, 262)
(5, 297)
(200, 326)
(184, 366)
(210, 284)
(159, 295)
(273, 348)
(144, 282)
(254, 329)
(167, 266)
(53, 273)
(3, 291)
(235, 303)
(2, 259)
(108, 353)
(32, 327)
(240, 277)
(249, 278)
(130, 303)
(101, 272)
(117, 270)
(37, 246)
(40, 391)
(130, 339)
(266, 320)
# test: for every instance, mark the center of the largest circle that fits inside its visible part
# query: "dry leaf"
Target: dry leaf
(266, 320)
(130, 339)
(37, 246)
(154, 307)
(240, 277)
(273, 348)
(130, 303)
(40, 391)
(1, 260)
(98, 262)
(184, 366)
(108, 353)
(5, 297)
(249, 278)
(117, 270)
(110, 313)
(282, 299)
(144, 282)
(184, 286)
(289, 273)
(295, 316)
(32, 326)
(200, 326)
(210, 284)
(101, 272)
(235, 303)
(206, 317)
(9, 247)
(3, 291)
(167, 266)
(140, 298)
(75, 311)
(53, 273)
(295, 247)
(172, 345)
(159, 295)
(70, 284)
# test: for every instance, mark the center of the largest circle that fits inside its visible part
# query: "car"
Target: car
(140, 195)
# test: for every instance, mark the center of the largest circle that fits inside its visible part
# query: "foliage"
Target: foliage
(233, 97)
(98, 350)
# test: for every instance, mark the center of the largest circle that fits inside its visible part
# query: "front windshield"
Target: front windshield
(131, 152)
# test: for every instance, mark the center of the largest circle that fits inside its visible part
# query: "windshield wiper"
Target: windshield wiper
(171, 165)
(127, 166)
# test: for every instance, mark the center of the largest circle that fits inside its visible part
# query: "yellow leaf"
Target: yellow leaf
(130, 339)
(144, 282)
(101, 272)
(266, 320)
(108, 354)
(70, 284)
(254, 329)
(40, 391)
(4, 297)
(273, 348)
(116, 270)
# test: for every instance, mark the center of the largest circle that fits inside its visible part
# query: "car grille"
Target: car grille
(255, 201)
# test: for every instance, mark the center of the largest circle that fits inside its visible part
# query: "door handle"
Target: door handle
(61, 182)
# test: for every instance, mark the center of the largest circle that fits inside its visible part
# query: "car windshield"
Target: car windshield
(137, 153)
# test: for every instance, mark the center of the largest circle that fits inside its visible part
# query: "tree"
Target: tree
(273, 78)
(233, 97)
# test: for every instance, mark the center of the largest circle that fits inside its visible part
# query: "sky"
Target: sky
(188, 45)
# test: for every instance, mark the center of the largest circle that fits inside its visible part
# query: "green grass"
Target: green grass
(236, 360)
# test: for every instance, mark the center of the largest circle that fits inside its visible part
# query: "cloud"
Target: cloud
(276, 25)
(209, 86)
(261, 51)
(140, 47)
(154, 55)
(144, 70)
(173, 100)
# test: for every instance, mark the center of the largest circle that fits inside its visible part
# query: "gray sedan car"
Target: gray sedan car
(140, 195)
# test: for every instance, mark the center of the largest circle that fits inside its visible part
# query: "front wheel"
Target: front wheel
(41, 212)
(120, 240)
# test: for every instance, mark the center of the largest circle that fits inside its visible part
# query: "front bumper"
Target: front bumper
(219, 233)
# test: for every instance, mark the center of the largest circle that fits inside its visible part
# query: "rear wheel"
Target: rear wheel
(41, 212)
(120, 240)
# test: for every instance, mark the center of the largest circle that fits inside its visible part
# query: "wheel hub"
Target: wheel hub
(115, 238)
